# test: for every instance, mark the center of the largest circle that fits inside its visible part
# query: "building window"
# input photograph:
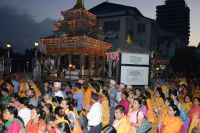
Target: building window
(141, 28)
(111, 29)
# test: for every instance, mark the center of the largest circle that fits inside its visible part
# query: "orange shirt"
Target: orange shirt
(36, 127)
(150, 111)
(171, 124)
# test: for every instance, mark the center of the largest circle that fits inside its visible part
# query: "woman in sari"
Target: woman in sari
(36, 124)
(124, 102)
(69, 109)
(14, 123)
(135, 115)
(61, 117)
(194, 114)
(172, 123)
(158, 103)
(105, 108)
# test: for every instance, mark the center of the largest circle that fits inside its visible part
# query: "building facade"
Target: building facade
(174, 16)
(125, 25)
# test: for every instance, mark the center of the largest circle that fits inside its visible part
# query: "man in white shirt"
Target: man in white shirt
(57, 92)
(95, 115)
(24, 112)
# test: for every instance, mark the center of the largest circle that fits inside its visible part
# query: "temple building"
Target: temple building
(77, 42)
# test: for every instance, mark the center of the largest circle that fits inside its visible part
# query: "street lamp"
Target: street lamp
(36, 45)
(70, 70)
(27, 65)
(8, 46)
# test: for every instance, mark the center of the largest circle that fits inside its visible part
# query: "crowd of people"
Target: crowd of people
(169, 105)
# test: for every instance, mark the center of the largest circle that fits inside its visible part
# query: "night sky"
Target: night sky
(23, 21)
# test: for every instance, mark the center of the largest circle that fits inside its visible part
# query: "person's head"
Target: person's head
(137, 103)
(168, 101)
(59, 112)
(95, 87)
(173, 110)
(48, 108)
(31, 83)
(148, 95)
(119, 112)
(50, 122)
(37, 113)
(14, 97)
(112, 84)
(120, 88)
(30, 93)
(174, 94)
(57, 86)
(124, 95)
(108, 129)
(78, 86)
(131, 94)
(46, 83)
(196, 101)
(63, 127)
(138, 91)
(94, 97)
(24, 102)
(4, 92)
(56, 101)
(187, 99)
(10, 113)
(68, 103)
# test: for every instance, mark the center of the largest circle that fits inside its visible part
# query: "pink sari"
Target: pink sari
(125, 103)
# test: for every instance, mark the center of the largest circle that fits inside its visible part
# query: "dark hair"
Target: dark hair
(109, 129)
(187, 96)
(95, 96)
(125, 93)
(159, 90)
(61, 113)
(71, 103)
(24, 101)
(45, 81)
(196, 98)
(96, 86)
(4, 90)
(175, 108)
(57, 99)
(15, 96)
(63, 127)
(2, 128)
(40, 112)
(49, 107)
(139, 101)
(78, 85)
(120, 108)
(50, 118)
(170, 100)
(105, 92)
(14, 112)
(148, 95)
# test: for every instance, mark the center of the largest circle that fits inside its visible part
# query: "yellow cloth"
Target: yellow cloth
(125, 126)
(194, 122)
(105, 111)
(186, 106)
(183, 82)
(172, 124)
(164, 89)
(158, 102)
(150, 116)
(37, 91)
(87, 99)
(22, 89)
